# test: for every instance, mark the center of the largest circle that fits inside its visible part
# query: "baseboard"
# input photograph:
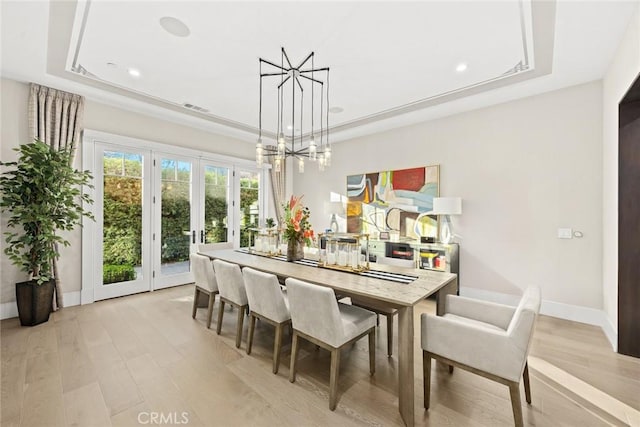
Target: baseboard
(611, 333)
(71, 298)
(575, 313)
(10, 309)
(485, 295)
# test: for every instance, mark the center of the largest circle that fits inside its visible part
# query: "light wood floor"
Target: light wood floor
(116, 362)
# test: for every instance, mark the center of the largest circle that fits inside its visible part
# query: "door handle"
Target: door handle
(201, 236)
(193, 237)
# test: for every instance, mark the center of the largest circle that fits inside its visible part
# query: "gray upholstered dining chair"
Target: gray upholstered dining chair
(379, 309)
(317, 317)
(268, 303)
(232, 291)
(205, 283)
(488, 339)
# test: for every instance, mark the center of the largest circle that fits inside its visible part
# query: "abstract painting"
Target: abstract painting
(396, 201)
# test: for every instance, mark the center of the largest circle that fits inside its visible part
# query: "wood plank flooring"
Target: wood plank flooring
(119, 362)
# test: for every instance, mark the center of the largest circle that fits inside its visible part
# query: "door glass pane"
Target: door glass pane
(122, 217)
(175, 216)
(216, 203)
(249, 207)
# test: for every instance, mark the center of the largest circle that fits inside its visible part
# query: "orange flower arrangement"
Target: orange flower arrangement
(296, 221)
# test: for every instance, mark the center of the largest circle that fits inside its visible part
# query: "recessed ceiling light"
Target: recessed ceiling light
(289, 127)
(174, 26)
(134, 72)
(461, 67)
(336, 110)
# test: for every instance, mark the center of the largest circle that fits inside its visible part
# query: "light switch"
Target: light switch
(565, 233)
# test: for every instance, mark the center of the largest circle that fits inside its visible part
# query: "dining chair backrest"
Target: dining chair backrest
(265, 295)
(314, 311)
(214, 246)
(230, 281)
(203, 273)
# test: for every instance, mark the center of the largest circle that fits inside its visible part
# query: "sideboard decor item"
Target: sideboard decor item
(446, 206)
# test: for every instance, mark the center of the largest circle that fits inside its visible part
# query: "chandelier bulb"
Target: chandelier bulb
(312, 149)
(281, 145)
(277, 164)
(301, 165)
(259, 152)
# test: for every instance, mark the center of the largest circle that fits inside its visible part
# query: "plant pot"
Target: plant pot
(35, 302)
(295, 250)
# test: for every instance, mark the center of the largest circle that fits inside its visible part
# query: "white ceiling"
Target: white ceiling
(392, 63)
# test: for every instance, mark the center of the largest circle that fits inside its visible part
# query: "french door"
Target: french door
(123, 232)
(153, 208)
(191, 207)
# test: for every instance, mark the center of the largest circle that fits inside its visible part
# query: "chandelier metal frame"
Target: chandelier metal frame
(292, 145)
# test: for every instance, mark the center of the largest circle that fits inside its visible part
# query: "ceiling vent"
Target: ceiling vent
(195, 108)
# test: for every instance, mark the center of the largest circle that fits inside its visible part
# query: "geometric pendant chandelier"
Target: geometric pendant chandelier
(305, 91)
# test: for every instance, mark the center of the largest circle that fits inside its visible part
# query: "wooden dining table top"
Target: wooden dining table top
(394, 294)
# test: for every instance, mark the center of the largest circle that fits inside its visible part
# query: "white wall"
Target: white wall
(103, 118)
(523, 169)
(13, 129)
(622, 72)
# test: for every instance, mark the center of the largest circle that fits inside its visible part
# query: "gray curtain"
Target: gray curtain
(278, 188)
(56, 118)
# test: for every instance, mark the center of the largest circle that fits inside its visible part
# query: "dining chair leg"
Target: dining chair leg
(195, 303)
(527, 385)
(220, 314)
(212, 300)
(389, 334)
(372, 351)
(252, 326)
(276, 347)
(426, 377)
(294, 357)
(333, 379)
(516, 405)
(239, 326)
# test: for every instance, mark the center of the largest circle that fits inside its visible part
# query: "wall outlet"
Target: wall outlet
(565, 233)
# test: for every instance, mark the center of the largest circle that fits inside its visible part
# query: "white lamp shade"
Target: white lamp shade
(447, 206)
(334, 208)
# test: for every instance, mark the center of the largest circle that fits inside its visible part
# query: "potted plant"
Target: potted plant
(270, 223)
(43, 196)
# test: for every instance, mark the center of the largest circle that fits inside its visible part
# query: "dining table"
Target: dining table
(377, 284)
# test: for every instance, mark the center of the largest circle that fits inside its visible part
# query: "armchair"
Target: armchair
(488, 339)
